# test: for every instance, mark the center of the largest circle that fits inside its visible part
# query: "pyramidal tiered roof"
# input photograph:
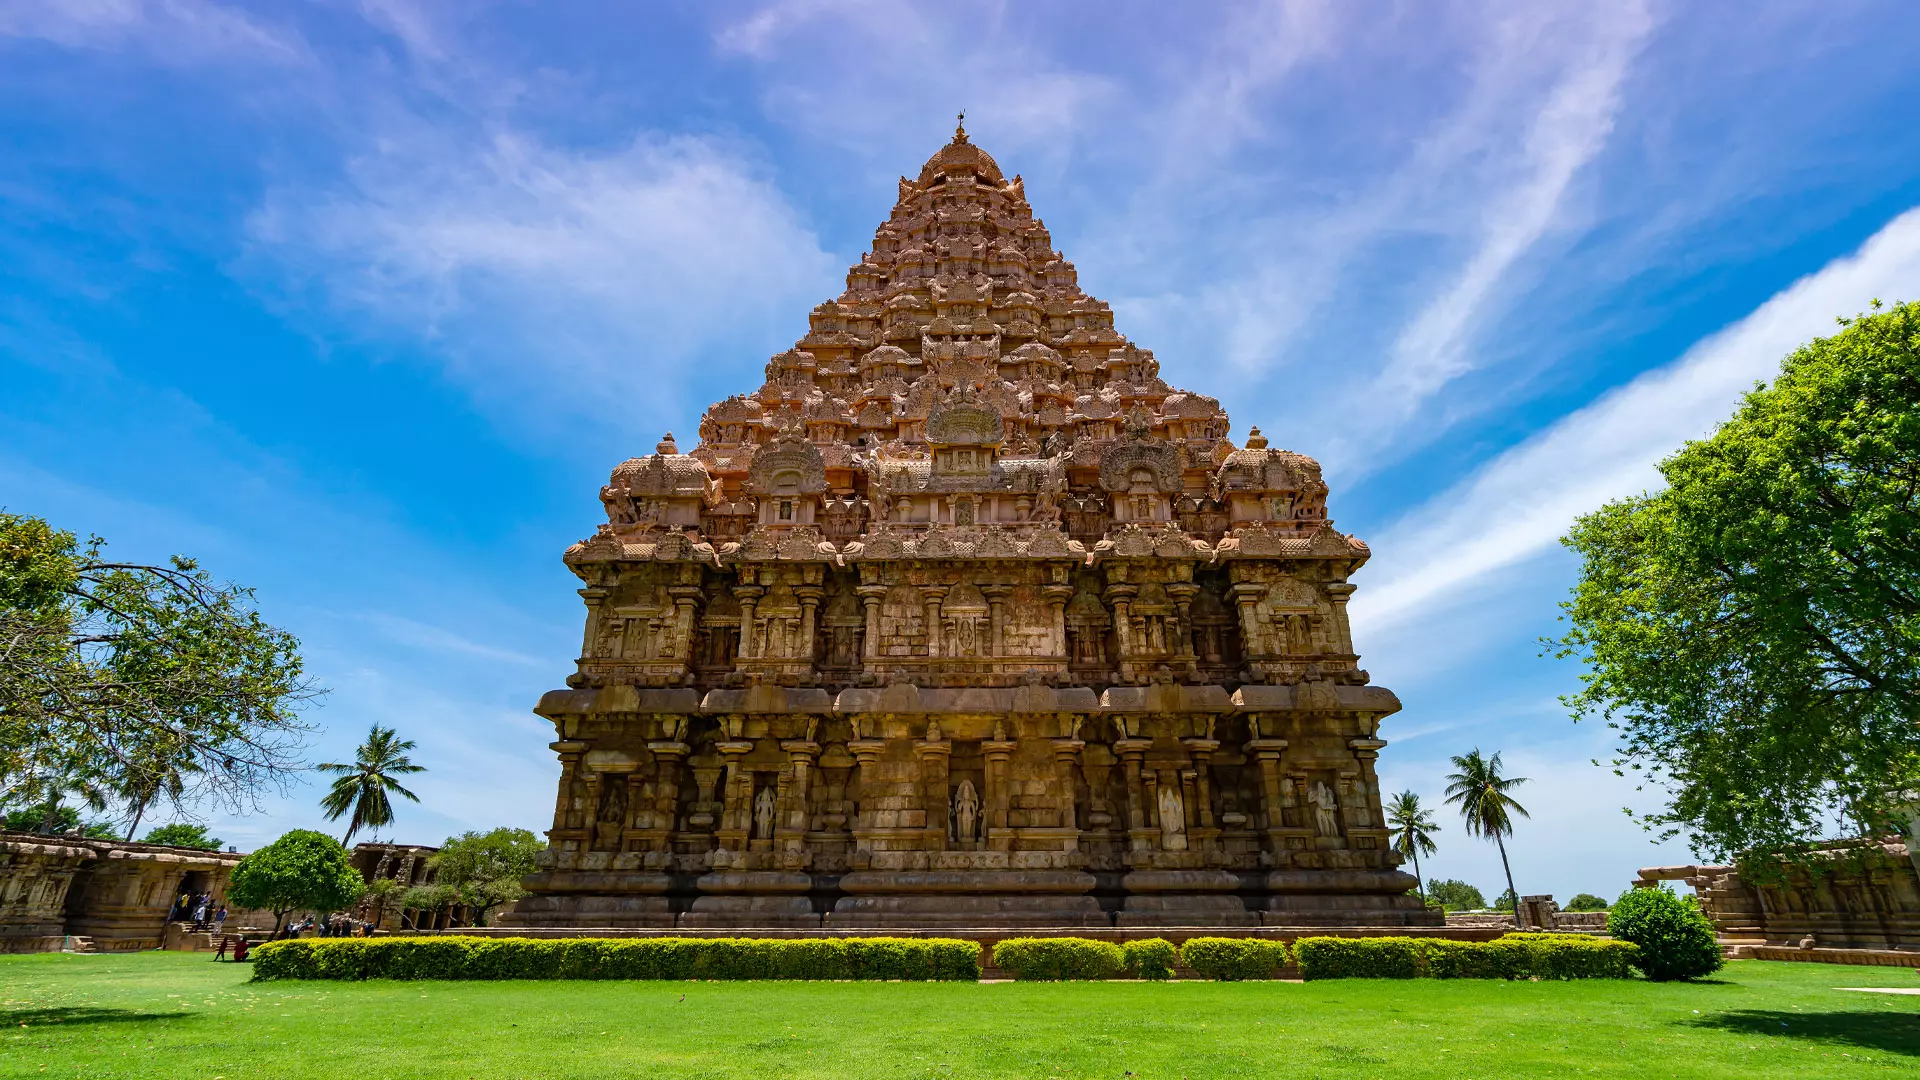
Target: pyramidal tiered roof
(961, 328)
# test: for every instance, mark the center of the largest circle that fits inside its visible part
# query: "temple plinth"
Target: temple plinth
(966, 619)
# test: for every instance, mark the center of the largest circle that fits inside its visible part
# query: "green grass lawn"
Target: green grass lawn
(180, 1015)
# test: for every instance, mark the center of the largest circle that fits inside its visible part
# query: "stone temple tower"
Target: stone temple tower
(965, 618)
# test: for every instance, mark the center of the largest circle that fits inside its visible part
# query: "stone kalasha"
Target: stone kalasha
(966, 618)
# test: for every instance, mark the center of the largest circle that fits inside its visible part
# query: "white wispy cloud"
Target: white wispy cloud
(172, 32)
(577, 281)
(1517, 506)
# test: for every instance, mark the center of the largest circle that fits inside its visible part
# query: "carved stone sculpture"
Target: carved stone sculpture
(999, 613)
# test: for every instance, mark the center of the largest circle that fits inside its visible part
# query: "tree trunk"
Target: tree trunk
(1511, 891)
(1419, 883)
(139, 811)
(53, 816)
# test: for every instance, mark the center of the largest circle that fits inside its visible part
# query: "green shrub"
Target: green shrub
(456, 957)
(1512, 956)
(1150, 958)
(1358, 958)
(1232, 959)
(1676, 941)
(1053, 959)
(1586, 901)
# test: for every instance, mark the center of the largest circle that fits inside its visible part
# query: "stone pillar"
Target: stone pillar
(749, 596)
(1339, 633)
(998, 752)
(736, 818)
(1133, 753)
(1181, 644)
(1120, 598)
(934, 755)
(686, 608)
(594, 598)
(1252, 641)
(1202, 753)
(668, 755)
(809, 604)
(996, 617)
(570, 752)
(1066, 770)
(1267, 752)
(932, 595)
(791, 825)
(865, 752)
(870, 597)
(1057, 597)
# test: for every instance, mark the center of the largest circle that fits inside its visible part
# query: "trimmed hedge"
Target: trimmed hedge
(1151, 958)
(1513, 956)
(1233, 959)
(1053, 959)
(454, 957)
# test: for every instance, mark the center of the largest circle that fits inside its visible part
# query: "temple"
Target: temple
(965, 618)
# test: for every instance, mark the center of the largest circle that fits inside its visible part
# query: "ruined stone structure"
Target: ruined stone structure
(1850, 894)
(967, 619)
(104, 895)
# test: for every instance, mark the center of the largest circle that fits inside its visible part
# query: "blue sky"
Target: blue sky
(358, 303)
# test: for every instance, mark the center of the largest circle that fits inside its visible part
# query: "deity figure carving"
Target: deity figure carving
(966, 813)
(1173, 819)
(763, 815)
(1326, 809)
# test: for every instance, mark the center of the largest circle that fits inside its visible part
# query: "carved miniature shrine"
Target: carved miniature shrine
(966, 619)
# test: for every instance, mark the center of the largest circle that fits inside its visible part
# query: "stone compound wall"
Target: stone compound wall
(116, 894)
(966, 618)
(1854, 895)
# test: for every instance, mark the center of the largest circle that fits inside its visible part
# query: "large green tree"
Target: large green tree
(485, 868)
(360, 793)
(1752, 630)
(302, 871)
(1413, 831)
(153, 681)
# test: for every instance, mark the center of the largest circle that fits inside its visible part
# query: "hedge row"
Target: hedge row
(1049, 959)
(452, 957)
(1514, 956)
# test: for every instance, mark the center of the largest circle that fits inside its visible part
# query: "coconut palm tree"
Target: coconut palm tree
(1481, 793)
(363, 786)
(144, 784)
(1413, 828)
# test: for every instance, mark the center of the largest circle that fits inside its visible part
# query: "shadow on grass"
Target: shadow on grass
(78, 1014)
(1893, 1032)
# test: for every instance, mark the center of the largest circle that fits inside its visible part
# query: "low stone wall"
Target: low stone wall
(1863, 957)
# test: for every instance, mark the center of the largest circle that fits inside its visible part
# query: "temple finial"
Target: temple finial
(960, 128)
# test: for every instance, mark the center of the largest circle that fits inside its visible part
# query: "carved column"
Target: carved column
(668, 754)
(749, 596)
(570, 752)
(1252, 641)
(686, 608)
(594, 598)
(1267, 752)
(932, 595)
(1066, 771)
(865, 752)
(736, 817)
(792, 824)
(1340, 634)
(1181, 644)
(1057, 597)
(934, 756)
(1120, 598)
(996, 617)
(998, 752)
(1133, 753)
(870, 597)
(809, 604)
(1202, 752)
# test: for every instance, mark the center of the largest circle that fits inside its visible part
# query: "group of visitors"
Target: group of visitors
(201, 909)
(331, 926)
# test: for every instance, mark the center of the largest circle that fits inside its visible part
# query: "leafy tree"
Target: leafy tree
(1480, 791)
(138, 676)
(382, 896)
(183, 834)
(1753, 629)
(1456, 895)
(1507, 900)
(1676, 941)
(1586, 901)
(56, 819)
(1413, 829)
(363, 786)
(302, 871)
(485, 869)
